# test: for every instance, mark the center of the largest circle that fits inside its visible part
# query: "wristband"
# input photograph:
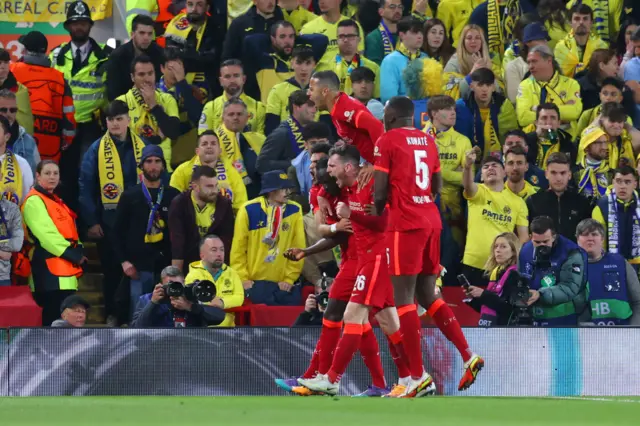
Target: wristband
(334, 228)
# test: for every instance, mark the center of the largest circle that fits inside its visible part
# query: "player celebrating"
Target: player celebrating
(353, 121)
(372, 288)
(407, 175)
(335, 231)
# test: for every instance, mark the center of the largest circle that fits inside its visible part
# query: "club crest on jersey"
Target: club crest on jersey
(348, 115)
(286, 226)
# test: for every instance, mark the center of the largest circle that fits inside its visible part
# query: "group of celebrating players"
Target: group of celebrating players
(386, 221)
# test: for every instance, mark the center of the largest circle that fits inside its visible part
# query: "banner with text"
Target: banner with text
(244, 361)
(48, 11)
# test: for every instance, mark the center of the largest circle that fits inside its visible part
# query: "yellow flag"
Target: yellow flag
(48, 10)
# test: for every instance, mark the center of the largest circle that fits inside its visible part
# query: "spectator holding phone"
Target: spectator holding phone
(501, 269)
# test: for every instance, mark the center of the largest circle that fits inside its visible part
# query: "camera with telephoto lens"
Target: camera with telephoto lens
(518, 300)
(199, 291)
(322, 298)
(542, 256)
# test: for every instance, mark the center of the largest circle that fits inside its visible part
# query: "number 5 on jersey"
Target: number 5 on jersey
(422, 169)
(360, 283)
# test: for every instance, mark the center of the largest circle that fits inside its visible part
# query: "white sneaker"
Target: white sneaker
(321, 383)
(421, 387)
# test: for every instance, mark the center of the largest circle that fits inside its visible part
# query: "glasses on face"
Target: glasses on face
(396, 7)
(6, 110)
(347, 36)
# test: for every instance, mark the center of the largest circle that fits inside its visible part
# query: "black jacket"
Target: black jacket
(119, 68)
(249, 23)
(566, 146)
(130, 226)
(566, 211)
(589, 91)
(313, 318)
(499, 303)
(277, 152)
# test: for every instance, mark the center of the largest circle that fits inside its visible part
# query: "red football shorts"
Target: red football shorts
(343, 284)
(414, 252)
(372, 286)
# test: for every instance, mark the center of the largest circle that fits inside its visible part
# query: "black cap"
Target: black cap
(72, 301)
(78, 11)
(35, 42)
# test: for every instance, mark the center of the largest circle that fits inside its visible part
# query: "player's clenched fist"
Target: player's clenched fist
(470, 158)
(343, 211)
(294, 254)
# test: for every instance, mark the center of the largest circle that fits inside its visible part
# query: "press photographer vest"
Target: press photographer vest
(564, 313)
(607, 291)
(488, 316)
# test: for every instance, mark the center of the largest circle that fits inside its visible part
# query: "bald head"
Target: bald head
(398, 112)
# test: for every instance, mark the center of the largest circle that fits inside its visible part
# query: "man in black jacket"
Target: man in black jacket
(141, 233)
(560, 202)
(120, 60)
(257, 20)
(286, 142)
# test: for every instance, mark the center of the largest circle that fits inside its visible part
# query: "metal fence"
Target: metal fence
(244, 361)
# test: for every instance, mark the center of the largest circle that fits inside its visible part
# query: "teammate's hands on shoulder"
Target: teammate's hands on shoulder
(294, 254)
(344, 226)
(343, 211)
(365, 175)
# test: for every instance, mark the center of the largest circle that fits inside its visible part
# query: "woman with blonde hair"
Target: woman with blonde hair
(501, 268)
(472, 54)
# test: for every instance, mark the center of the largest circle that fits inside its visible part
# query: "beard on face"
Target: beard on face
(80, 37)
(195, 18)
(217, 264)
(151, 176)
(233, 90)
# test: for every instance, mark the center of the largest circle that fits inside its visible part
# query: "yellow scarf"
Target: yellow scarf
(178, 31)
(569, 60)
(621, 148)
(11, 178)
(110, 169)
(231, 150)
(593, 181)
(402, 49)
(221, 173)
(146, 126)
(601, 18)
(541, 159)
(495, 39)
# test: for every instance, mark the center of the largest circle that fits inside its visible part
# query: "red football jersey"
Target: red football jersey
(410, 158)
(369, 230)
(348, 249)
(356, 125)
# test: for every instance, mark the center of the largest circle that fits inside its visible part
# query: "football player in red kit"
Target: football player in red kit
(335, 230)
(372, 289)
(407, 175)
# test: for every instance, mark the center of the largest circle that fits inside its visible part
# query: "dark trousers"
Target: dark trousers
(86, 134)
(50, 302)
(112, 274)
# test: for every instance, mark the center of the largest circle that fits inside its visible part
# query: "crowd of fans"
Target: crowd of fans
(189, 152)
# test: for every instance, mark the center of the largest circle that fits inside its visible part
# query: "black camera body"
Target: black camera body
(542, 256)
(518, 299)
(197, 292)
(322, 298)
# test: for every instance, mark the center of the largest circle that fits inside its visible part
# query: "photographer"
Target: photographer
(157, 310)
(315, 304)
(556, 270)
(494, 303)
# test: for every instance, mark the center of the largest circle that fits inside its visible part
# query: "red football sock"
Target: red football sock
(410, 328)
(347, 347)
(397, 353)
(313, 364)
(327, 343)
(449, 326)
(370, 352)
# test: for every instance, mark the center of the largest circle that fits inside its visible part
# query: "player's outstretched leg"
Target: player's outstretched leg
(446, 321)
(415, 387)
(370, 352)
(354, 318)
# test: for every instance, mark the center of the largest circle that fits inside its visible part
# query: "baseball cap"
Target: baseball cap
(73, 300)
(35, 42)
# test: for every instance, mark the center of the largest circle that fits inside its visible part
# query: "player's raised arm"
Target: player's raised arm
(470, 187)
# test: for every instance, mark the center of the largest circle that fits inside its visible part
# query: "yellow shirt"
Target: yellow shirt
(452, 147)
(278, 99)
(320, 26)
(229, 180)
(329, 62)
(204, 216)
(211, 117)
(228, 287)
(526, 192)
(455, 14)
(170, 106)
(490, 214)
(298, 17)
(484, 114)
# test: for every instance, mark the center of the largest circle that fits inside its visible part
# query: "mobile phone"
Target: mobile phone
(464, 282)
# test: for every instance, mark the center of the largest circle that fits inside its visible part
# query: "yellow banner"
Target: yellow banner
(48, 10)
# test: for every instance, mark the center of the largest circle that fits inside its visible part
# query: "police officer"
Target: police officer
(83, 62)
(556, 269)
(614, 289)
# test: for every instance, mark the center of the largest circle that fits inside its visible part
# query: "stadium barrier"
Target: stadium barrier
(244, 361)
